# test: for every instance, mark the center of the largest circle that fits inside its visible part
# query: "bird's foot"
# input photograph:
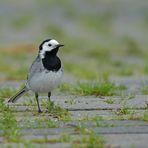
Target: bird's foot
(39, 111)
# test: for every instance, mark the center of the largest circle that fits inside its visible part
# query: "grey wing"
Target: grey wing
(35, 68)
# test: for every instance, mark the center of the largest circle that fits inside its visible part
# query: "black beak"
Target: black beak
(60, 45)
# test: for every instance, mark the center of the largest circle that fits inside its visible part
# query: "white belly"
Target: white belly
(45, 82)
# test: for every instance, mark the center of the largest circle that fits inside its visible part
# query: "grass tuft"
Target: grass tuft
(81, 71)
(97, 89)
(88, 138)
(93, 88)
(65, 137)
(109, 101)
(7, 92)
(144, 90)
(145, 116)
(8, 123)
(57, 111)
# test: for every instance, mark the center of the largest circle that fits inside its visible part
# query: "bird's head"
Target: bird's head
(49, 46)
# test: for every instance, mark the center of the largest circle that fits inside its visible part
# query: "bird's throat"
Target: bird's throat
(51, 62)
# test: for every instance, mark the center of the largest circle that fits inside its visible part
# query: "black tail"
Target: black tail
(18, 95)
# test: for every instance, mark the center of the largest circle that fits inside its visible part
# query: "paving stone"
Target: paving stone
(91, 102)
(117, 133)
(122, 130)
(11, 84)
(134, 83)
(130, 80)
(136, 129)
(47, 131)
(127, 140)
(109, 123)
(35, 145)
(140, 101)
(79, 115)
(105, 114)
(97, 123)
(1, 139)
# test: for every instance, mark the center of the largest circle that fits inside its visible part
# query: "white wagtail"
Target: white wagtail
(45, 73)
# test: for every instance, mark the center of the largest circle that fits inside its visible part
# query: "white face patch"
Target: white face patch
(48, 46)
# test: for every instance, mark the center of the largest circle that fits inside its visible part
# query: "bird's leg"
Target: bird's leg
(50, 102)
(49, 95)
(36, 96)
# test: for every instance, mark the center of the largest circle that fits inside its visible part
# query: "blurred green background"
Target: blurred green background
(102, 37)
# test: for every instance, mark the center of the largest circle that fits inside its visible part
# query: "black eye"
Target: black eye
(49, 45)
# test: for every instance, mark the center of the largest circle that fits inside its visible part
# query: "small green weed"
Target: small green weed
(100, 53)
(8, 123)
(109, 101)
(123, 110)
(93, 88)
(7, 92)
(145, 116)
(98, 120)
(91, 140)
(125, 71)
(81, 71)
(126, 97)
(64, 137)
(132, 47)
(57, 111)
(82, 129)
(21, 22)
(64, 87)
(97, 89)
(15, 64)
(17, 74)
(40, 123)
(144, 90)
(71, 101)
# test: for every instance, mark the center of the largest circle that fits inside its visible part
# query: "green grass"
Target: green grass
(63, 87)
(16, 62)
(132, 47)
(90, 141)
(65, 137)
(98, 120)
(93, 88)
(19, 73)
(125, 113)
(101, 54)
(97, 60)
(80, 71)
(91, 40)
(95, 50)
(126, 97)
(8, 123)
(38, 123)
(57, 111)
(144, 90)
(21, 22)
(145, 116)
(97, 89)
(71, 101)
(109, 101)
(7, 92)
(123, 110)
(88, 138)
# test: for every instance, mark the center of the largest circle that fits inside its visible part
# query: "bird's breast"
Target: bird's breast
(45, 81)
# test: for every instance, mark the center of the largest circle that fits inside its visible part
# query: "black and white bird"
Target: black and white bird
(45, 72)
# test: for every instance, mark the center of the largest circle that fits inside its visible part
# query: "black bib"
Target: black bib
(51, 62)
